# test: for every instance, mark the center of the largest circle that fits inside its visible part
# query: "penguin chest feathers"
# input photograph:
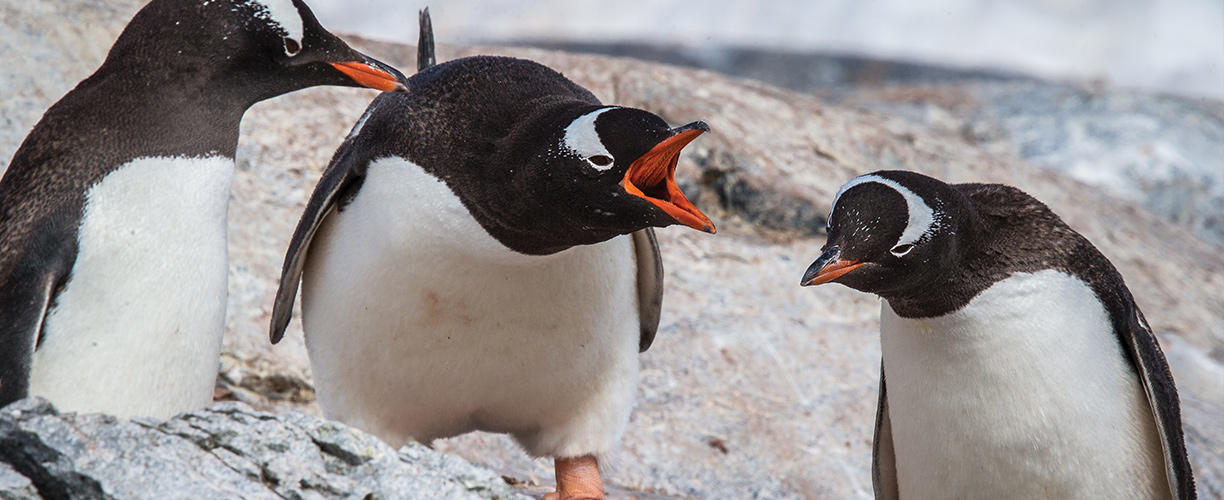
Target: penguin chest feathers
(422, 325)
(137, 328)
(1023, 393)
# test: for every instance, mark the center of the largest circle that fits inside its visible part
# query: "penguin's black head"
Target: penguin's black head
(535, 158)
(891, 233)
(253, 49)
(625, 162)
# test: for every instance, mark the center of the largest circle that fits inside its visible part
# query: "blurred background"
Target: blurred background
(1174, 46)
(1123, 95)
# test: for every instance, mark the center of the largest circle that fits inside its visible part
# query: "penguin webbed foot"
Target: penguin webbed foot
(577, 479)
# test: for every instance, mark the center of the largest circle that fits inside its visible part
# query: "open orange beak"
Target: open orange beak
(653, 178)
(372, 76)
(828, 267)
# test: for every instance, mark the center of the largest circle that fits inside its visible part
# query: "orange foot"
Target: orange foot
(577, 479)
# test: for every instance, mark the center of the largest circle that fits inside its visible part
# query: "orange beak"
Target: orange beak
(370, 76)
(828, 267)
(653, 178)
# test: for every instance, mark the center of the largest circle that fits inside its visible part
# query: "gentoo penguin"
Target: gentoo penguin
(1018, 363)
(479, 256)
(113, 210)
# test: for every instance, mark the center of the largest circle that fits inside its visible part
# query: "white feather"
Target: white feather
(921, 217)
(582, 139)
(1023, 393)
(137, 329)
(420, 325)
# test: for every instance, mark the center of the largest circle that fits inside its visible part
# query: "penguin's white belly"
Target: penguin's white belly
(137, 330)
(420, 325)
(1023, 393)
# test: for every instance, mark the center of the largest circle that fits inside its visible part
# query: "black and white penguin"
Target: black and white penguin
(113, 255)
(479, 256)
(1017, 362)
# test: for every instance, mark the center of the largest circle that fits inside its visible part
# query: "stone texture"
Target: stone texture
(14, 486)
(227, 451)
(755, 388)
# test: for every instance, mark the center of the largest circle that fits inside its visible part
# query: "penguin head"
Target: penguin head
(628, 151)
(255, 49)
(535, 158)
(603, 171)
(891, 233)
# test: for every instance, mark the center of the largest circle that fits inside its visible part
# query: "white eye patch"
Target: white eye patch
(921, 217)
(582, 139)
(281, 15)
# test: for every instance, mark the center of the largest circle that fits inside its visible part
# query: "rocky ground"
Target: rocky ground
(227, 451)
(755, 387)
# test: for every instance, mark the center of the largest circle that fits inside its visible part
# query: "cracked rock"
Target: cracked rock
(226, 451)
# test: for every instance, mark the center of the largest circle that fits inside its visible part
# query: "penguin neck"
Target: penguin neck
(191, 117)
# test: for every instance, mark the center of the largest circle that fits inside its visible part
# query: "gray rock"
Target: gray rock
(224, 452)
(14, 486)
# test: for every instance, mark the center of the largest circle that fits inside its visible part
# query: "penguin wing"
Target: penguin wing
(883, 458)
(26, 295)
(342, 176)
(649, 285)
(1153, 370)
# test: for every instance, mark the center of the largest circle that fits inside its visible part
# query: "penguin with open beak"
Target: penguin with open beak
(479, 255)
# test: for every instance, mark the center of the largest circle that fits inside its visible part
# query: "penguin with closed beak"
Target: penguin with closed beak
(1018, 364)
(479, 256)
(113, 259)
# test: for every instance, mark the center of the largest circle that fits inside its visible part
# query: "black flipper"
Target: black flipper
(340, 180)
(649, 283)
(28, 295)
(1157, 380)
(883, 456)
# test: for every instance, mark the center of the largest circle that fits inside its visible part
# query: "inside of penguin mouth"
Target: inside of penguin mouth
(656, 189)
(652, 177)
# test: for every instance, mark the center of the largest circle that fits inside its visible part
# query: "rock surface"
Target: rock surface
(224, 452)
(755, 388)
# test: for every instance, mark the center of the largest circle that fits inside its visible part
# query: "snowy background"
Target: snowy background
(1168, 45)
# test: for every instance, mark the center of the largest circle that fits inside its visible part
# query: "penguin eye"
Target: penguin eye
(600, 160)
(292, 47)
(902, 249)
